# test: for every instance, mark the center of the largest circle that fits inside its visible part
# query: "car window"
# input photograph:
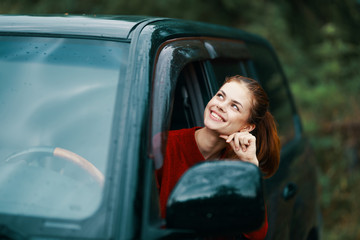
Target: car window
(190, 83)
(57, 99)
(272, 81)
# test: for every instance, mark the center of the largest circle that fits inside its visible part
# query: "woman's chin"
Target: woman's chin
(217, 129)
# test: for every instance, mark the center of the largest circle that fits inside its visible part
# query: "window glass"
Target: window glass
(57, 99)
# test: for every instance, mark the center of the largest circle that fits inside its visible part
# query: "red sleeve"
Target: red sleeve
(181, 154)
(259, 234)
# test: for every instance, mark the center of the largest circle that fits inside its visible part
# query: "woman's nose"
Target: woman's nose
(221, 107)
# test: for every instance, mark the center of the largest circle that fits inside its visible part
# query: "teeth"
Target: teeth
(216, 116)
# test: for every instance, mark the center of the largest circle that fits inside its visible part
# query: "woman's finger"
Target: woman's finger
(230, 138)
(244, 140)
(237, 142)
(237, 150)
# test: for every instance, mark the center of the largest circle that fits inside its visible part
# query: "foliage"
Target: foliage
(318, 45)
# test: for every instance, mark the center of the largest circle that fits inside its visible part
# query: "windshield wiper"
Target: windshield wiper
(8, 234)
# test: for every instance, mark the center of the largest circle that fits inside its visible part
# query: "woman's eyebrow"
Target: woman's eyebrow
(223, 92)
(238, 103)
(234, 101)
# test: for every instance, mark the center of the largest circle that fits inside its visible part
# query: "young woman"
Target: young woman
(238, 125)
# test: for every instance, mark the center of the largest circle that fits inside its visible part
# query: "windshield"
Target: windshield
(57, 98)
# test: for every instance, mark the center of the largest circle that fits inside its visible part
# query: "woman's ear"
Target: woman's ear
(248, 127)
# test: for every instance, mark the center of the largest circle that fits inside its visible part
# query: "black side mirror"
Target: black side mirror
(218, 197)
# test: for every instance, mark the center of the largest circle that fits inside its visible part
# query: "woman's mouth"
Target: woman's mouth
(216, 117)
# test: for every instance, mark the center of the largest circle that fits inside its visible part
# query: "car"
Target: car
(86, 103)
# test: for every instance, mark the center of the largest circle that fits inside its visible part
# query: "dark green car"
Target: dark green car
(85, 104)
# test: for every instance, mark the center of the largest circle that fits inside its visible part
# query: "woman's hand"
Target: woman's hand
(244, 145)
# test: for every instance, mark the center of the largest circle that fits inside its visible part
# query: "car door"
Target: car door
(188, 72)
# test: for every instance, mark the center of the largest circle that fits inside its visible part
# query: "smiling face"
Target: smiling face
(229, 110)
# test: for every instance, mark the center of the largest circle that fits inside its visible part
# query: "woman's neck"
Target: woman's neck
(209, 143)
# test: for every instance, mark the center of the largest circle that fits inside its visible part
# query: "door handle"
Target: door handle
(289, 191)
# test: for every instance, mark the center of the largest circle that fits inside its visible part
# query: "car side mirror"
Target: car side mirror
(224, 197)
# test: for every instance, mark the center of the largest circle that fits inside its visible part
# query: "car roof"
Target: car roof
(117, 27)
(101, 26)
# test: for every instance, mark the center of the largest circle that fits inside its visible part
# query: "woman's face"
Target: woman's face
(228, 111)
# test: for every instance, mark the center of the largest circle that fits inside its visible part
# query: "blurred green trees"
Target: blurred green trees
(318, 44)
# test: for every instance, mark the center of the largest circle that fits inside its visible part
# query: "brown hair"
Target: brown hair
(267, 139)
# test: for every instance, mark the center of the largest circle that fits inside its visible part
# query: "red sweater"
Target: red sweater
(182, 153)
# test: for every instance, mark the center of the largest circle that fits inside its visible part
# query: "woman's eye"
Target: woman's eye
(219, 95)
(235, 107)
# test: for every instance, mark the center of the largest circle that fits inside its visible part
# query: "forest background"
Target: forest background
(318, 45)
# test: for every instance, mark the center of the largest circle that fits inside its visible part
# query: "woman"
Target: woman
(238, 125)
